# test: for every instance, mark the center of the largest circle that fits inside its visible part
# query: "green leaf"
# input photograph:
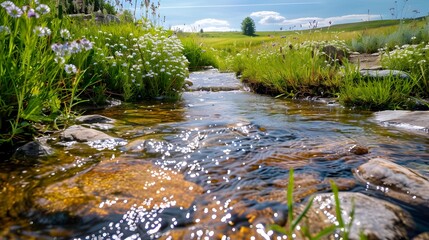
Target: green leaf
(290, 200)
(277, 228)
(325, 232)
(301, 216)
(337, 205)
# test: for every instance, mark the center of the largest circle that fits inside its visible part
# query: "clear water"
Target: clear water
(235, 147)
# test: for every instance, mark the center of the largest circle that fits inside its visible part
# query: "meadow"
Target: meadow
(293, 64)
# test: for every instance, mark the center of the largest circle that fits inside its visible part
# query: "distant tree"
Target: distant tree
(109, 8)
(248, 26)
(201, 30)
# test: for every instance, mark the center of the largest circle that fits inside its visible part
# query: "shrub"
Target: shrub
(137, 63)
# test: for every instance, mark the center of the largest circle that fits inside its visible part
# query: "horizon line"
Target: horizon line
(238, 5)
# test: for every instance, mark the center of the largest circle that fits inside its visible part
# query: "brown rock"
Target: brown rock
(115, 187)
(358, 150)
(423, 236)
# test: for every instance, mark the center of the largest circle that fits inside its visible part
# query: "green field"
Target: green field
(347, 32)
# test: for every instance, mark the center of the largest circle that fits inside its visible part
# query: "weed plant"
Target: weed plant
(411, 33)
(295, 228)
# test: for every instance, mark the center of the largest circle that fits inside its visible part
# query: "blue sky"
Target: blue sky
(226, 15)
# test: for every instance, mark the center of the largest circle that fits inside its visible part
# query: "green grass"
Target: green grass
(291, 64)
(50, 64)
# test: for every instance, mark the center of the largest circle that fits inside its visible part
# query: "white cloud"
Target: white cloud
(269, 17)
(207, 24)
(275, 18)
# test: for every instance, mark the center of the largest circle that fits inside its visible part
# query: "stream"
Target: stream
(214, 165)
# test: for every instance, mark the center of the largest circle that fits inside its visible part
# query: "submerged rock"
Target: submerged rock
(90, 119)
(395, 181)
(116, 186)
(32, 150)
(83, 134)
(377, 219)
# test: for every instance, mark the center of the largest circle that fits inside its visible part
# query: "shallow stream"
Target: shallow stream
(215, 164)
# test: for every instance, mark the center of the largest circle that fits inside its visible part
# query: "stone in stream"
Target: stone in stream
(90, 119)
(423, 236)
(377, 219)
(246, 212)
(412, 120)
(83, 134)
(395, 181)
(114, 187)
(33, 150)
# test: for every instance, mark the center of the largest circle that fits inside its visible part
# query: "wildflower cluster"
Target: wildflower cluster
(148, 66)
(16, 12)
(65, 50)
(412, 58)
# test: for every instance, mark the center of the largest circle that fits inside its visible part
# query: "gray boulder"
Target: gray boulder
(377, 219)
(32, 150)
(384, 74)
(83, 134)
(395, 181)
(90, 119)
(411, 120)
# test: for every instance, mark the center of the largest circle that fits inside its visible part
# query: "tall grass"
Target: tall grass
(48, 65)
(198, 55)
(295, 70)
(36, 83)
(411, 33)
(390, 92)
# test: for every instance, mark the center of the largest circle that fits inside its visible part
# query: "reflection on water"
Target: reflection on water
(214, 165)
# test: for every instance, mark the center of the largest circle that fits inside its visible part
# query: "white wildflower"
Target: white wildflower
(70, 68)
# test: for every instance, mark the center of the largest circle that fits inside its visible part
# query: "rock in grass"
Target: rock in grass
(395, 181)
(377, 219)
(384, 74)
